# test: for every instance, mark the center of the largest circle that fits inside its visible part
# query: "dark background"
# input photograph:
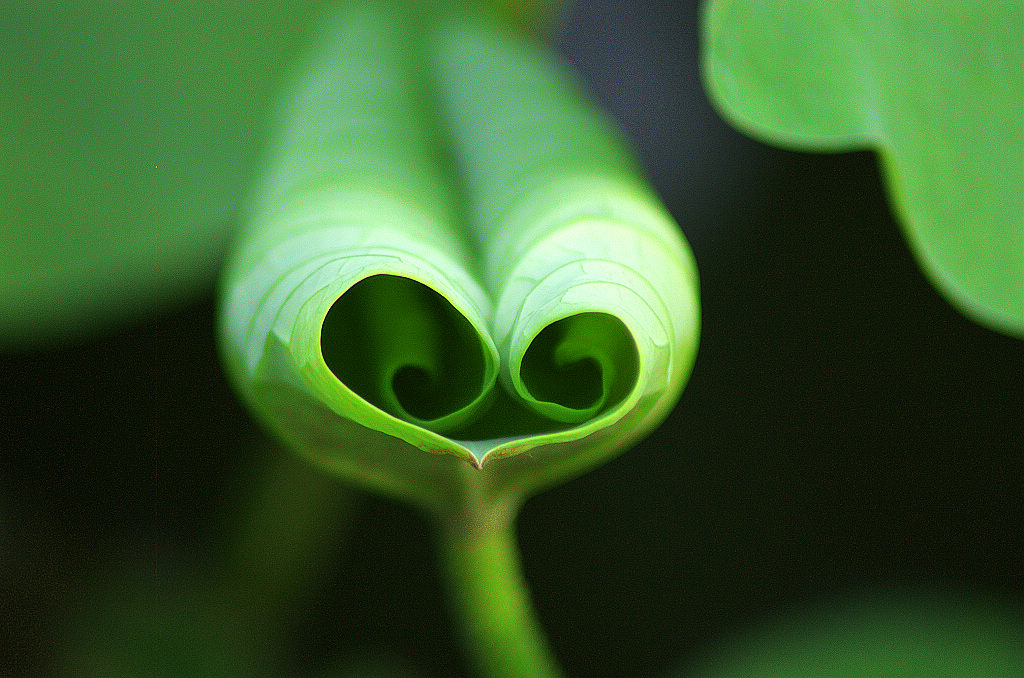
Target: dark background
(844, 430)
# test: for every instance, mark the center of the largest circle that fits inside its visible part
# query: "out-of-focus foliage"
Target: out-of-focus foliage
(130, 135)
(937, 87)
(128, 139)
(879, 636)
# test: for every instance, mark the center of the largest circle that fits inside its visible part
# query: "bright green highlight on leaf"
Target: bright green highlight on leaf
(452, 259)
(937, 87)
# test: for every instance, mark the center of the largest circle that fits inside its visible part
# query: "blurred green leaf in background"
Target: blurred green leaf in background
(876, 635)
(129, 137)
(937, 87)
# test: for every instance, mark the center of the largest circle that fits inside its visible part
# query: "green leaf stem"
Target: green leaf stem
(451, 260)
(937, 87)
(488, 592)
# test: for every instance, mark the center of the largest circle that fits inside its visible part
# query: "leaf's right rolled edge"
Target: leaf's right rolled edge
(568, 229)
(645, 281)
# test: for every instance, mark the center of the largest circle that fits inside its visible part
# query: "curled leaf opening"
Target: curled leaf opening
(452, 252)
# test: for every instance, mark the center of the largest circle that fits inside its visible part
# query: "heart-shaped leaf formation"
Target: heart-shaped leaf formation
(451, 252)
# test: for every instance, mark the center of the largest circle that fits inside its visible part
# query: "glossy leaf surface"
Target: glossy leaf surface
(937, 87)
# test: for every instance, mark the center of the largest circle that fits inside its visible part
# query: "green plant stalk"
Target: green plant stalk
(489, 592)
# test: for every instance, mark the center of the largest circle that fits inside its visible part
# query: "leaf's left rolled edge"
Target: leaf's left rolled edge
(283, 300)
(352, 191)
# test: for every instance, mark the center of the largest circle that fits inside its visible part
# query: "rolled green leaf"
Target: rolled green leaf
(452, 260)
